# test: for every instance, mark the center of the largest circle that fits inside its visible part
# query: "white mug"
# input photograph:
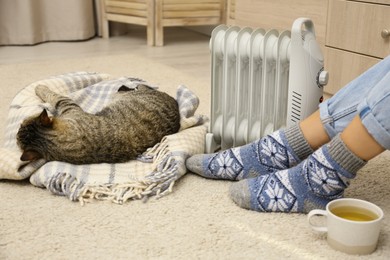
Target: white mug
(352, 226)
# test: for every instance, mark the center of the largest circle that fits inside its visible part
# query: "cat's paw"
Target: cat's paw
(41, 91)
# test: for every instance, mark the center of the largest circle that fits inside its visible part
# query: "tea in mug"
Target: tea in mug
(354, 213)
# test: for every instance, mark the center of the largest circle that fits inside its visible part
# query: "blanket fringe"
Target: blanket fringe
(157, 183)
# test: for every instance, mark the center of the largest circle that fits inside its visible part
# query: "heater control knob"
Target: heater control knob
(323, 78)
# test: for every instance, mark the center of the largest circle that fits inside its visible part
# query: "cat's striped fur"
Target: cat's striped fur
(134, 121)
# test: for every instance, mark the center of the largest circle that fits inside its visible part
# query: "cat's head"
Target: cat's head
(32, 136)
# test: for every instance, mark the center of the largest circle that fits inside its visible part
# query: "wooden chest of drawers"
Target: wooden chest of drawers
(357, 37)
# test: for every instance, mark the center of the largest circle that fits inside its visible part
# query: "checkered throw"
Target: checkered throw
(152, 174)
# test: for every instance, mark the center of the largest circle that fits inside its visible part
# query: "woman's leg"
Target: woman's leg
(313, 131)
(357, 138)
(325, 174)
(338, 111)
(322, 177)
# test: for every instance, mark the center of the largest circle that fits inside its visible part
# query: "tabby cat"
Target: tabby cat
(135, 120)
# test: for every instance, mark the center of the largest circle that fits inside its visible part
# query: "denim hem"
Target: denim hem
(327, 119)
(373, 126)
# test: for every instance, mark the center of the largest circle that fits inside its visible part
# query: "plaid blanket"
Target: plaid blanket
(152, 174)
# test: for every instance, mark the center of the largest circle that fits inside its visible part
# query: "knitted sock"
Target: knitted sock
(322, 177)
(279, 150)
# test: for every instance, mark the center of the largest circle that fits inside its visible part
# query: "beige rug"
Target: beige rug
(196, 221)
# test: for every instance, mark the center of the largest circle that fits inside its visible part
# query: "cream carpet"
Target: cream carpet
(196, 221)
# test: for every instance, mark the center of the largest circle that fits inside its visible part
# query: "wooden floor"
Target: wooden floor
(184, 49)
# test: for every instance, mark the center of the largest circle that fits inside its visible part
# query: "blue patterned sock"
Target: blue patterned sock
(279, 150)
(322, 177)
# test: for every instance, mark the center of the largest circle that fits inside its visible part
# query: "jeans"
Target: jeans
(367, 96)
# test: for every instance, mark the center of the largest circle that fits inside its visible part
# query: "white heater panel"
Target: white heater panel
(262, 81)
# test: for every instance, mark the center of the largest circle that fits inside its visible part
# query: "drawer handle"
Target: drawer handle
(385, 33)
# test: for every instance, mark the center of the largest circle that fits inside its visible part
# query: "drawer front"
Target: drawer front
(127, 7)
(280, 14)
(344, 66)
(357, 27)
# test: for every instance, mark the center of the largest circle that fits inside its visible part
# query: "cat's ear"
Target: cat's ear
(30, 155)
(45, 120)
